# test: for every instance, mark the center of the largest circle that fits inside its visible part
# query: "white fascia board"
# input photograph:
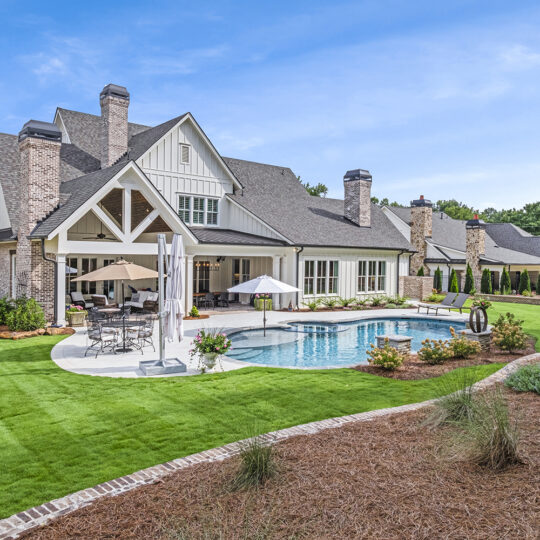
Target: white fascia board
(58, 115)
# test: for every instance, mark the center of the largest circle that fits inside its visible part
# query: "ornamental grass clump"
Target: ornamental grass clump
(257, 464)
(461, 347)
(525, 379)
(434, 351)
(329, 302)
(346, 302)
(312, 305)
(386, 357)
(377, 301)
(508, 333)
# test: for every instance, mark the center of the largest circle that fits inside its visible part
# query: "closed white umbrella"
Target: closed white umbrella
(174, 314)
(263, 285)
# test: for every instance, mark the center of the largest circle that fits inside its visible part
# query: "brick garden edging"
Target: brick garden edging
(15, 525)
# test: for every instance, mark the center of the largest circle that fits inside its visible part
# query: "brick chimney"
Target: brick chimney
(39, 150)
(475, 247)
(114, 101)
(421, 228)
(357, 185)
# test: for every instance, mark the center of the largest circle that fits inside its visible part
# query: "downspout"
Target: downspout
(397, 270)
(299, 250)
(55, 262)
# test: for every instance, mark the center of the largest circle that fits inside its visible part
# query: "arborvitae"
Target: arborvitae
(420, 271)
(538, 284)
(454, 286)
(469, 280)
(437, 280)
(485, 286)
(524, 282)
(506, 284)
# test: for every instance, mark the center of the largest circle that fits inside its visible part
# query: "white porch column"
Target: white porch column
(276, 274)
(61, 290)
(189, 282)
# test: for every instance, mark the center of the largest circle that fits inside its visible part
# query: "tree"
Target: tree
(437, 280)
(454, 285)
(524, 282)
(455, 209)
(506, 284)
(420, 271)
(384, 202)
(486, 287)
(538, 284)
(469, 280)
(319, 190)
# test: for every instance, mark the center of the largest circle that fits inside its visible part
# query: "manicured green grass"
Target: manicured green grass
(61, 432)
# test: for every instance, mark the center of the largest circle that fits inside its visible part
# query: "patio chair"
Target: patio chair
(447, 303)
(77, 299)
(209, 300)
(95, 315)
(223, 300)
(101, 301)
(101, 338)
(146, 332)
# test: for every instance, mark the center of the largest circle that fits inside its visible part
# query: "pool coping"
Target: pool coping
(17, 524)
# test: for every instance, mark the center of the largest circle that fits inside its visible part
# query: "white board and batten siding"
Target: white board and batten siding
(238, 219)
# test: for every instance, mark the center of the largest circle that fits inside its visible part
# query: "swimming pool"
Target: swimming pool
(313, 344)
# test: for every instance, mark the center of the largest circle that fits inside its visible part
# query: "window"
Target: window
(184, 154)
(321, 277)
(371, 276)
(88, 265)
(184, 206)
(201, 277)
(71, 274)
(108, 286)
(198, 210)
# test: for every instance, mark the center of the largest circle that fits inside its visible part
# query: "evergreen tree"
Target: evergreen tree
(538, 284)
(485, 286)
(454, 286)
(469, 280)
(506, 284)
(524, 282)
(437, 280)
(420, 271)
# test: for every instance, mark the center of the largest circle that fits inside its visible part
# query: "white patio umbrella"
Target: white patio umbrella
(174, 314)
(263, 285)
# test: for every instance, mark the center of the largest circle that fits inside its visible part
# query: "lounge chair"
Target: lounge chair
(447, 303)
(459, 302)
(77, 299)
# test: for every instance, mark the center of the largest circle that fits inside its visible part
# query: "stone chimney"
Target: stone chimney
(114, 101)
(357, 184)
(421, 228)
(39, 150)
(475, 247)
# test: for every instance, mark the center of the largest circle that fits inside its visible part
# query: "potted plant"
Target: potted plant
(209, 346)
(76, 315)
(259, 301)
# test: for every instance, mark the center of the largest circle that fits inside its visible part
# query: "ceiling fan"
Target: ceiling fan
(99, 236)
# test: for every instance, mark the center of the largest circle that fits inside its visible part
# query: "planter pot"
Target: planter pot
(76, 318)
(259, 306)
(208, 361)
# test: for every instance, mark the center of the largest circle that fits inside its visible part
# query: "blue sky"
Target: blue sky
(440, 99)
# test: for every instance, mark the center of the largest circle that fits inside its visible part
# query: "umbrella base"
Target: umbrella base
(156, 367)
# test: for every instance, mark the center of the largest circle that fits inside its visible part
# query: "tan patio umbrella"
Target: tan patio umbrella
(122, 271)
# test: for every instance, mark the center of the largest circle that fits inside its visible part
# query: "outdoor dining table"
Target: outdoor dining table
(123, 324)
(109, 312)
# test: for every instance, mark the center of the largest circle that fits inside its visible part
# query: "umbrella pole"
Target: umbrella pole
(124, 348)
(264, 316)
(161, 285)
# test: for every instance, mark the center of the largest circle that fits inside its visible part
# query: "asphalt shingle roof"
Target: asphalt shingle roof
(275, 195)
(9, 180)
(229, 236)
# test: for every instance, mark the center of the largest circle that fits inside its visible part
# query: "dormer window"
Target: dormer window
(194, 210)
(185, 154)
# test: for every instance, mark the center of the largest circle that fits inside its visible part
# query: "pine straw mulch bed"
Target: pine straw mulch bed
(413, 368)
(379, 479)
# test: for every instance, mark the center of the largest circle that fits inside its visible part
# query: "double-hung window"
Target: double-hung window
(211, 211)
(184, 208)
(320, 277)
(309, 277)
(198, 211)
(194, 210)
(381, 276)
(371, 276)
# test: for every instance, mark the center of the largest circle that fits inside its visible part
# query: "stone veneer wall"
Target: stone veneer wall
(358, 201)
(475, 248)
(416, 287)
(114, 136)
(421, 228)
(513, 299)
(5, 272)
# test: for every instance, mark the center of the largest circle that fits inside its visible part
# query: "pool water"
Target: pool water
(319, 344)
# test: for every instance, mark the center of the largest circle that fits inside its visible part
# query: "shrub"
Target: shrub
(526, 293)
(6, 306)
(329, 302)
(194, 312)
(390, 305)
(387, 357)
(346, 302)
(485, 286)
(434, 297)
(469, 280)
(397, 300)
(434, 351)
(26, 315)
(538, 284)
(257, 464)
(437, 280)
(525, 379)
(506, 285)
(312, 305)
(461, 347)
(377, 301)
(420, 271)
(454, 285)
(508, 333)
(490, 437)
(524, 282)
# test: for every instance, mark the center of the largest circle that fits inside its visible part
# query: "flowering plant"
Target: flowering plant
(481, 302)
(75, 309)
(262, 296)
(211, 341)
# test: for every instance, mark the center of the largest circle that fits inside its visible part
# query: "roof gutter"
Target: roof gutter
(55, 262)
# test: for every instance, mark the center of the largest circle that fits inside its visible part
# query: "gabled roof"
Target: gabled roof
(231, 237)
(507, 235)
(275, 195)
(9, 180)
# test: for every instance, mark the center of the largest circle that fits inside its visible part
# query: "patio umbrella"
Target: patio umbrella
(122, 271)
(263, 285)
(174, 314)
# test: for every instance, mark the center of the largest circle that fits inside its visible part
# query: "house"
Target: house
(85, 190)
(441, 241)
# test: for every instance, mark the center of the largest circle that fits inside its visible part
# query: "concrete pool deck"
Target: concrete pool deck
(69, 353)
